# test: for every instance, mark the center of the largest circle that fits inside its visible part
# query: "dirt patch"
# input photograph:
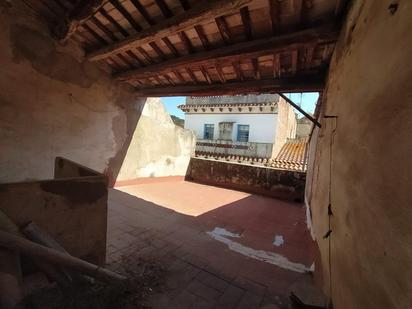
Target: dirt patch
(145, 278)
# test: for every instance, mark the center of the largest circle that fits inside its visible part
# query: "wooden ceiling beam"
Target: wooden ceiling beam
(186, 42)
(114, 22)
(247, 25)
(201, 13)
(256, 70)
(126, 14)
(202, 36)
(103, 28)
(77, 16)
(164, 8)
(142, 10)
(220, 73)
(275, 11)
(307, 83)
(223, 29)
(236, 52)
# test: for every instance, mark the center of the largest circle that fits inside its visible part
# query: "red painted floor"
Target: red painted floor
(179, 215)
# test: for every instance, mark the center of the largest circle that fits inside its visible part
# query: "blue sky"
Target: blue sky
(306, 100)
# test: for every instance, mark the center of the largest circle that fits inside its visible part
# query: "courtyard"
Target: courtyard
(221, 248)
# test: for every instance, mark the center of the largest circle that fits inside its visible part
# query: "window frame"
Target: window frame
(209, 125)
(239, 131)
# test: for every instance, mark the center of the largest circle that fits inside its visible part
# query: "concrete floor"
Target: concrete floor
(217, 244)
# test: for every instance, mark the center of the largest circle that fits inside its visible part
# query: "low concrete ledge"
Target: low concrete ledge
(72, 208)
(282, 184)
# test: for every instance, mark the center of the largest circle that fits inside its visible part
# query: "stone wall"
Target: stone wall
(362, 156)
(255, 179)
(55, 103)
(285, 126)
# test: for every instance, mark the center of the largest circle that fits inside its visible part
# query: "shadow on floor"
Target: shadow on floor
(204, 272)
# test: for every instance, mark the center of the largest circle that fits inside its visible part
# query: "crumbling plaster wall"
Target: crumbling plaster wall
(158, 147)
(364, 159)
(54, 103)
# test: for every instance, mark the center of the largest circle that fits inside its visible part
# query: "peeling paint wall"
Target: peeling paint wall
(363, 159)
(54, 103)
(158, 147)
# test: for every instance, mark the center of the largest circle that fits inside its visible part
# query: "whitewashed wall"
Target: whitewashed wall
(262, 127)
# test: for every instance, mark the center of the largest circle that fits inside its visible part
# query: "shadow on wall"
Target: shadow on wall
(158, 147)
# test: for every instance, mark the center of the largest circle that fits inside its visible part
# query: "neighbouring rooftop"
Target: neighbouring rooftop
(292, 156)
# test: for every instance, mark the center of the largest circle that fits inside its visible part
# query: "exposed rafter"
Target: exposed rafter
(306, 83)
(202, 12)
(237, 52)
(79, 14)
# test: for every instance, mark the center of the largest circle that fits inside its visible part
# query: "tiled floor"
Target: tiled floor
(169, 222)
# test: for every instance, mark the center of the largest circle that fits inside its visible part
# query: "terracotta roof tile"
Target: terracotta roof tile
(292, 156)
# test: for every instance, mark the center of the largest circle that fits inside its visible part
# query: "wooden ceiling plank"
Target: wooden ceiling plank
(255, 65)
(126, 15)
(247, 25)
(95, 34)
(275, 11)
(202, 36)
(142, 10)
(294, 61)
(133, 56)
(102, 27)
(171, 47)
(243, 50)
(276, 65)
(125, 60)
(164, 8)
(114, 22)
(238, 70)
(145, 55)
(309, 56)
(191, 75)
(179, 76)
(201, 13)
(206, 74)
(167, 77)
(220, 73)
(157, 50)
(186, 42)
(158, 80)
(307, 83)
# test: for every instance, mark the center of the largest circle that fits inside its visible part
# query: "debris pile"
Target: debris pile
(37, 272)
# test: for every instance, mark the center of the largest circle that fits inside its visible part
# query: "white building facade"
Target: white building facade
(252, 125)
